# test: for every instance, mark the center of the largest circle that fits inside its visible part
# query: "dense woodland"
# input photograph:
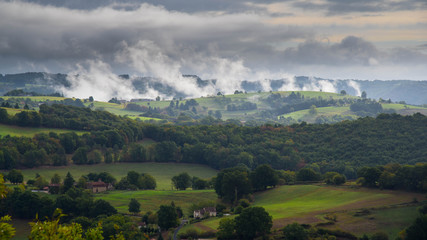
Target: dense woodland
(343, 147)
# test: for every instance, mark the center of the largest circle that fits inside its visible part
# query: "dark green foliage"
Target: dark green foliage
(15, 176)
(334, 178)
(167, 217)
(226, 229)
(379, 236)
(181, 181)
(166, 151)
(307, 174)
(295, 231)
(146, 181)
(101, 207)
(134, 206)
(232, 184)
(80, 156)
(198, 184)
(366, 108)
(252, 222)
(370, 176)
(68, 182)
(132, 177)
(418, 230)
(264, 176)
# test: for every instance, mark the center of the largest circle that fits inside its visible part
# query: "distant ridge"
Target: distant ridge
(411, 92)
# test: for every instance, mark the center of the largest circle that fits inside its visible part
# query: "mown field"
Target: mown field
(304, 115)
(310, 203)
(30, 132)
(162, 172)
(151, 200)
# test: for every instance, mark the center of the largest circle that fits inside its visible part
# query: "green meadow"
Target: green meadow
(151, 200)
(162, 172)
(297, 200)
(287, 204)
(30, 132)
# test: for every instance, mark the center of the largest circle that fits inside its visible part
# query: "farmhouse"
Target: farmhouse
(99, 186)
(205, 212)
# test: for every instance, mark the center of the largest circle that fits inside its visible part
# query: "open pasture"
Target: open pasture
(13, 130)
(151, 200)
(392, 210)
(162, 172)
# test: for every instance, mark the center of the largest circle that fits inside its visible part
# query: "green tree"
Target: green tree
(132, 177)
(307, 174)
(146, 181)
(181, 181)
(102, 207)
(80, 156)
(232, 184)
(134, 206)
(7, 231)
(167, 217)
(370, 175)
(364, 95)
(264, 176)
(253, 222)
(418, 230)
(313, 110)
(56, 179)
(226, 229)
(295, 231)
(15, 176)
(68, 182)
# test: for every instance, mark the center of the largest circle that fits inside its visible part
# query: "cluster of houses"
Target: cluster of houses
(205, 212)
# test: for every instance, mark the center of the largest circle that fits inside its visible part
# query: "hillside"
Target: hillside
(412, 92)
(240, 108)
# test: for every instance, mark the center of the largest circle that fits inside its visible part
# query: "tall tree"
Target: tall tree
(167, 217)
(181, 181)
(56, 179)
(68, 182)
(252, 222)
(263, 177)
(15, 176)
(134, 206)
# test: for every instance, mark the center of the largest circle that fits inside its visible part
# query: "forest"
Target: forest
(343, 147)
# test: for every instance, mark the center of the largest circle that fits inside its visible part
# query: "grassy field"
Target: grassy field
(309, 203)
(29, 132)
(303, 115)
(162, 172)
(13, 111)
(119, 109)
(151, 200)
(36, 98)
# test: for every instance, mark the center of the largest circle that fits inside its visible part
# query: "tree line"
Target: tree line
(343, 147)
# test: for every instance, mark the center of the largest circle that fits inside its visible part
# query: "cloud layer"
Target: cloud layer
(223, 40)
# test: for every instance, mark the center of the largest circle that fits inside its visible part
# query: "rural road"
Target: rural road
(179, 227)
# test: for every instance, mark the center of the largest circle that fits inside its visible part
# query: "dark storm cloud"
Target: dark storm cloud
(190, 36)
(189, 6)
(38, 33)
(338, 7)
(351, 51)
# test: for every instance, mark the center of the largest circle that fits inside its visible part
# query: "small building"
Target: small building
(205, 212)
(99, 186)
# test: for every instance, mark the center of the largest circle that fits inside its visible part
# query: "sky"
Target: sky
(221, 39)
